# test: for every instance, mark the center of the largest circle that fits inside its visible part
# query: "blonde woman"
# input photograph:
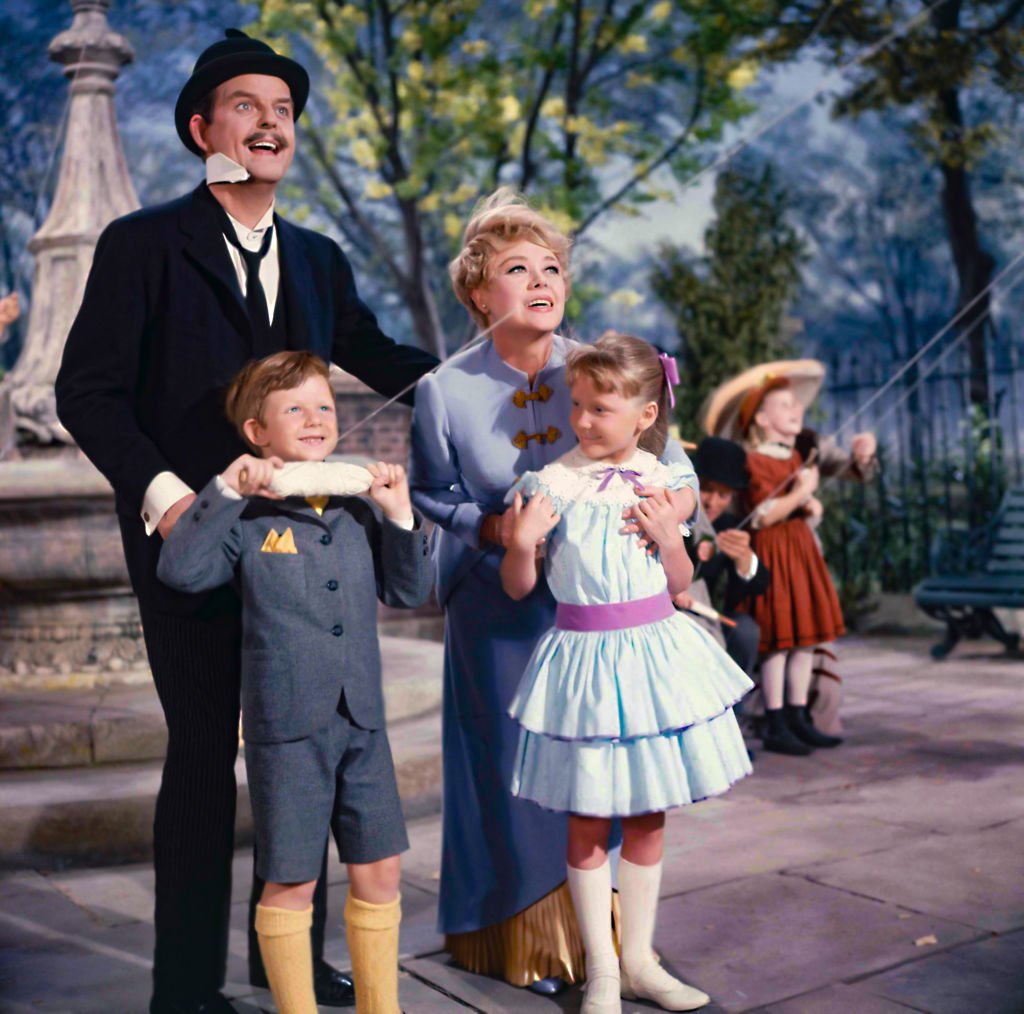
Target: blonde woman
(489, 414)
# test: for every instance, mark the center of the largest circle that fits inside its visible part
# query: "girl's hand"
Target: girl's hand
(533, 522)
(806, 481)
(683, 600)
(390, 491)
(813, 512)
(252, 476)
(660, 522)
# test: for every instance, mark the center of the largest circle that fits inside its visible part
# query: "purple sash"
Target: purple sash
(614, 615)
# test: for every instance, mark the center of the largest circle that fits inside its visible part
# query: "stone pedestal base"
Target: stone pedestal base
(67, 614)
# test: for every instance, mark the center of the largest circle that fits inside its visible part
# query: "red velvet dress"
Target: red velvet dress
(800, 608)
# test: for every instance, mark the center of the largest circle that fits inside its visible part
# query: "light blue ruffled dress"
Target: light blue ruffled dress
(620, 722)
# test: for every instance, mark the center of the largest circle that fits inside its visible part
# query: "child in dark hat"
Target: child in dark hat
(721, 550)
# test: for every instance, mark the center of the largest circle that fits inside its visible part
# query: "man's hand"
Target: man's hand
(171, 515)
(390, 490)
(735, 543)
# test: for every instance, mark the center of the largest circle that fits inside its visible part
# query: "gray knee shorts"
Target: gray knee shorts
(341, 778)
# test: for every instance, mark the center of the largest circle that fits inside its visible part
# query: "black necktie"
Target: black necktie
(255, 297)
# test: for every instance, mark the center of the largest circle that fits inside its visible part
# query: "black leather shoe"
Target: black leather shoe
(780, 738)
(799, 721)
(216, 1004)
(332, 988)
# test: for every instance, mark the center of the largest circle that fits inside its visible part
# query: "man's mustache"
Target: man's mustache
(264, 135)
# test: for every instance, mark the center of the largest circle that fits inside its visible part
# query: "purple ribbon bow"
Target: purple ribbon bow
(625, 474)
(668, 364)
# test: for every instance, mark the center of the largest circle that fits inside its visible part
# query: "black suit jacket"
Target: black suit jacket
(736, 589)
(161, 332)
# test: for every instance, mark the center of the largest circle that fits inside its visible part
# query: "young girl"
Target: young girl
(800, 610)
(625, 708)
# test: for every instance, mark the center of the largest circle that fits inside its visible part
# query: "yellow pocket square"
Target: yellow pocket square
(274, 543)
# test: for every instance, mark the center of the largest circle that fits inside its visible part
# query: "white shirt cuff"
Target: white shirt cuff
(165, 490)
(752, 573)
(407, 523)
(225, 490)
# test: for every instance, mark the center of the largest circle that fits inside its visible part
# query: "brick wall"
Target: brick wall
(385, 437)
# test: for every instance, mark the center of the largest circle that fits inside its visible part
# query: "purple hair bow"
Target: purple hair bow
(668, 364)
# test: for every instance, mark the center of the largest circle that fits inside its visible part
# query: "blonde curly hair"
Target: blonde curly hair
(497, 221)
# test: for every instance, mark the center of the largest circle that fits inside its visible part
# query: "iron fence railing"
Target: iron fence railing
(945, 462)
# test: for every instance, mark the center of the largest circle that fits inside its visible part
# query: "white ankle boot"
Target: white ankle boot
(602, 994)
(645, 978)
(655, 984)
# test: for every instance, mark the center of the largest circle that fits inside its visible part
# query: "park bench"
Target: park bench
(975, 571)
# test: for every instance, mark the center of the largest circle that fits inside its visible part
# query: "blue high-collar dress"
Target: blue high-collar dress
(475, 431)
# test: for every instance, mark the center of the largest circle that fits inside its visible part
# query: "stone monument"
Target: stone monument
(66, 610)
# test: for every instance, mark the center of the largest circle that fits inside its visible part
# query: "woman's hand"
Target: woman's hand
(659, 520)
(496, 529)
(531, 524)
(682, 501)
(390, 490)
(252, 476)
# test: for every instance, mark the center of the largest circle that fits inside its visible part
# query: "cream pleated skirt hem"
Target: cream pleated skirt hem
(541, 941)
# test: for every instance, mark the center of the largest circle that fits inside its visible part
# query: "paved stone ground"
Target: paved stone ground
(885, 876)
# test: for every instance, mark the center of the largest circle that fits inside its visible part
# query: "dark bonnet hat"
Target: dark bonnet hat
(720, 460)
(235, 54)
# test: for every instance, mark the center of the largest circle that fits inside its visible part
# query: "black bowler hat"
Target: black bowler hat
(720, 460)
(235, 54)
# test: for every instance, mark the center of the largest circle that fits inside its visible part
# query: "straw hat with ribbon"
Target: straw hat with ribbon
(730, 408)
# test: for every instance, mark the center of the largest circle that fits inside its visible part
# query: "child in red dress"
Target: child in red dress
(800, 610)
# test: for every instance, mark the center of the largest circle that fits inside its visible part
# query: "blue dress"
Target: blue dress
(627, 721)
(475, 429)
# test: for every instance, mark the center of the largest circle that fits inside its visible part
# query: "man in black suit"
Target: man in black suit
(718, 548)
(179, 298)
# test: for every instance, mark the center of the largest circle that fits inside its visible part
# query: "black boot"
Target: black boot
(778, 738)
(799, 721)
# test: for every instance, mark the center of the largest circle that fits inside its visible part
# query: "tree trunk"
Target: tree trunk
(974, 265)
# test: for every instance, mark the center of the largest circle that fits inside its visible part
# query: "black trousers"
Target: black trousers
(196, 664)
(741, 641)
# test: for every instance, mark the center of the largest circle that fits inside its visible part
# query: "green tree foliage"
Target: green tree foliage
(730, 303)
(955, 47)
(422, 107)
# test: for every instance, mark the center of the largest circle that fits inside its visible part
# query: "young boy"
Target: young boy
(309, 572)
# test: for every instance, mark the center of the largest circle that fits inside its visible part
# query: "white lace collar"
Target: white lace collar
(575, 476)
(773, 449)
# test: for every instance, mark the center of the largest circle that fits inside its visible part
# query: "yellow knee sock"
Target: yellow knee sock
(287, 957)
(373, 947)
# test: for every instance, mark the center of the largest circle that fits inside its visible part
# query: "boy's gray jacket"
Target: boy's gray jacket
(309, 618)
